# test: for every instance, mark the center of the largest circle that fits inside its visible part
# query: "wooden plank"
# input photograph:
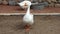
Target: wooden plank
(33, 13)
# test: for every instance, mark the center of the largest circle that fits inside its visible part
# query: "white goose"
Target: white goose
(28, 19)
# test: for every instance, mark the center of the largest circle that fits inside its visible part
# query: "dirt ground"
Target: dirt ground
(17, 9)
(42, 25)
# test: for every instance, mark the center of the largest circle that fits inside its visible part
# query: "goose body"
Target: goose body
(28, 17)
(28, 20)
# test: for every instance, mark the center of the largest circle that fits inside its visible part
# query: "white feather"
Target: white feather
(28, 17)
(23, 3)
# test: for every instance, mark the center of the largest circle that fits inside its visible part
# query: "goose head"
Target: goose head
(25, 4)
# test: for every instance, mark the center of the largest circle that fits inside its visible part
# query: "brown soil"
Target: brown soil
(42, 25)
(17, 9)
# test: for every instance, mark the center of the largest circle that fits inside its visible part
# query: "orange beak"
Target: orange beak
(25, 4)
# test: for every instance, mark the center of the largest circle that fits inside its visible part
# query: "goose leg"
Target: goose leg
(27, 27)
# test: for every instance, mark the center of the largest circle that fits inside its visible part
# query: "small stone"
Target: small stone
(12, 2)
(4, 2)
(0, 1)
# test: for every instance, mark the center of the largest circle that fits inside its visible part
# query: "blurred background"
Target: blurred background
(52, 3)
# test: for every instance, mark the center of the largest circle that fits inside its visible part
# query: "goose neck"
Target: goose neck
(28, 10)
